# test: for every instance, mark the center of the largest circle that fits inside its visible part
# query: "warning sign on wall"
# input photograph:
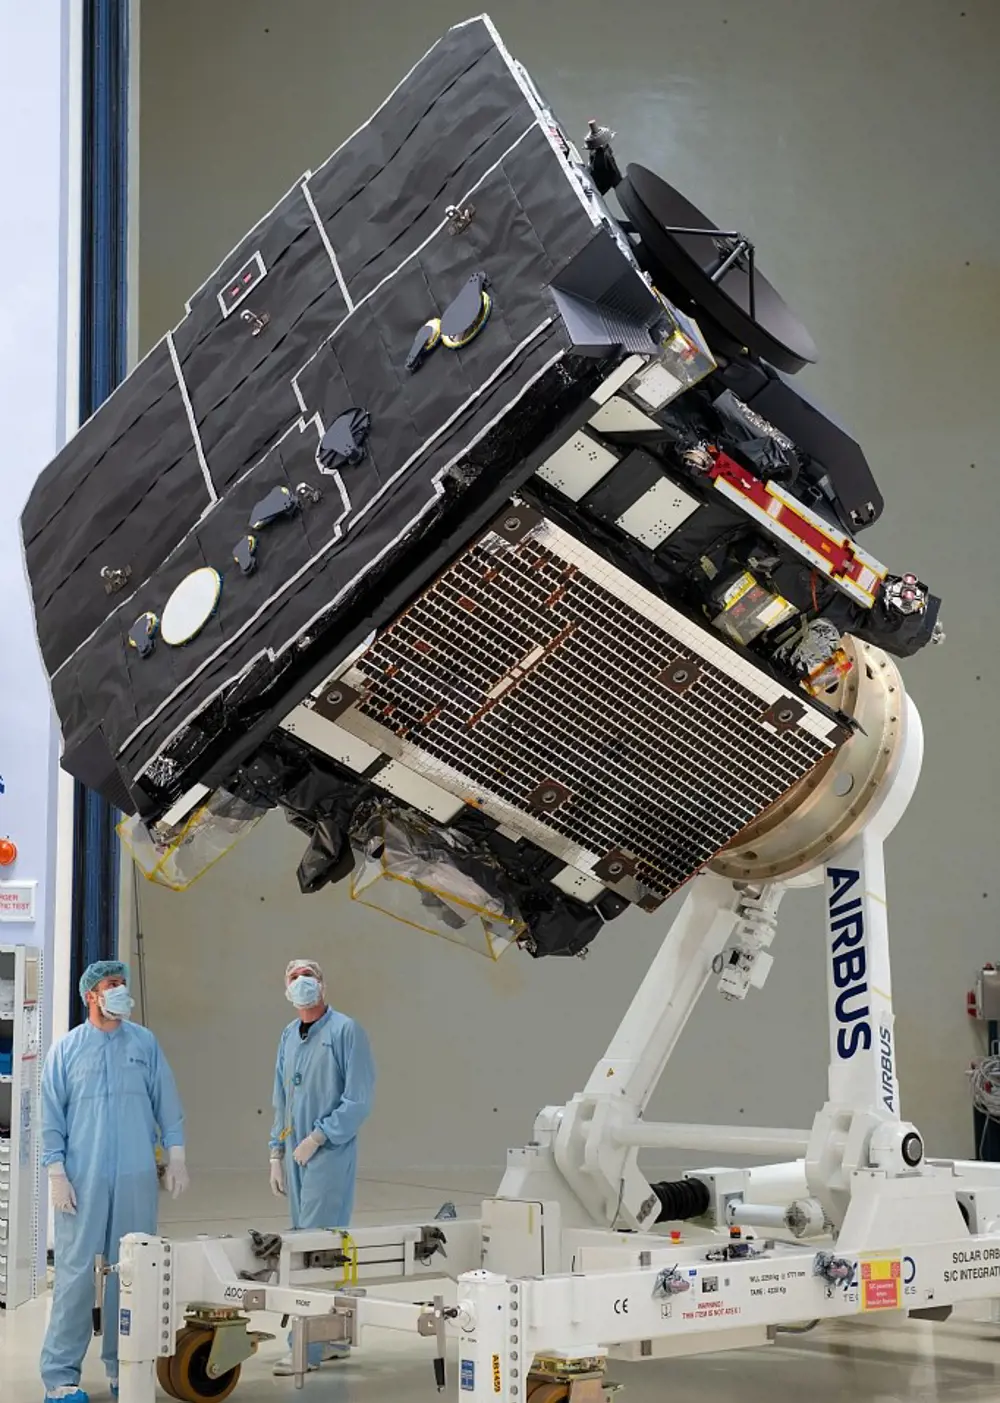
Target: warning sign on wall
(17, 901)
(881, 1284)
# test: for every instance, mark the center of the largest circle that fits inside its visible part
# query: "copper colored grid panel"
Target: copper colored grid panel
(517, 668)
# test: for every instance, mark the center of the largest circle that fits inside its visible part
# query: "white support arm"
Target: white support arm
(862, 1057)
(860, 1126)
(862, 1062)
(665, 1000)
(595, 1148)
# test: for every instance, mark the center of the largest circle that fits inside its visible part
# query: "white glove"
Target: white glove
(176, 1179)
(306, 1148)
(278, 1176)
(62, 1191)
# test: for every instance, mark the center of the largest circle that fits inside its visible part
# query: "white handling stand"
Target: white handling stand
(564, 1267)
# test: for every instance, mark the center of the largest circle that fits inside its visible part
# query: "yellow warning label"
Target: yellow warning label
(881, 1284)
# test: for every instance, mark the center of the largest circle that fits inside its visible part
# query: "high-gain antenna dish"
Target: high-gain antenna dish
(690, 258)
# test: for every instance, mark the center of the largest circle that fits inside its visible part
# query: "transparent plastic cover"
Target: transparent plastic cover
(178, 856)
(434, 879)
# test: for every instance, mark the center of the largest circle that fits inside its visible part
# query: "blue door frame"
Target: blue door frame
(103, 352)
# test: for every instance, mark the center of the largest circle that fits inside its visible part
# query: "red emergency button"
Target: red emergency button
(8, 852)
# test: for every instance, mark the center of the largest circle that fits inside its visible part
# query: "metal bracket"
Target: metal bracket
(680, 675)
(459, 219)
(936, 1313)
(432, 1241)
(256, 323)
(329, 1259)
(339, 1326)
(784, 714)
(549, 795)
(335, 700)
(232, 1343)
(431, 1323)
(614, 866)
(115, 578)
(516, 522)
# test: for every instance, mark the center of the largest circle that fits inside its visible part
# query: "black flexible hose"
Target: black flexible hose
(679, 1201)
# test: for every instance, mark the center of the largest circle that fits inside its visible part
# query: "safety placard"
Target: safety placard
(17, 901)
(881, 1284)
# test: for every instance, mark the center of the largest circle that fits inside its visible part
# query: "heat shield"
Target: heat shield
(539, 684)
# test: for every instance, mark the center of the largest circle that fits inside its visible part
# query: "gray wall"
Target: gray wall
(855, 142)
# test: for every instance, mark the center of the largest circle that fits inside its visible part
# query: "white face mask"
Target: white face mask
(304, 991)
(116, 1002)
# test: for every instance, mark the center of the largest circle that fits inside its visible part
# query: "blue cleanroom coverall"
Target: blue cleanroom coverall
(104, 1096)
(324, 1081)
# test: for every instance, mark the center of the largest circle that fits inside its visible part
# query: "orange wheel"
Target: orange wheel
(163, 1375)
(188, 1378)
(545, 1390)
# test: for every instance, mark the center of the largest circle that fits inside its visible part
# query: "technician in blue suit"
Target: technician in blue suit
(106, 1092)
(324, 1082)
